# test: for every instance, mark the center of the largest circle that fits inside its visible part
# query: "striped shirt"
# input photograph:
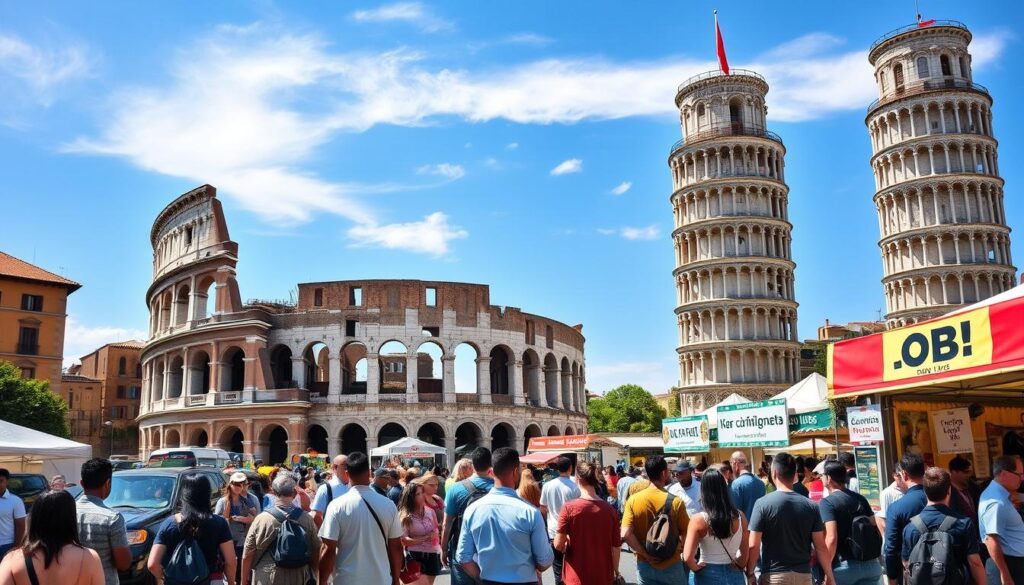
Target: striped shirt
(102, 530)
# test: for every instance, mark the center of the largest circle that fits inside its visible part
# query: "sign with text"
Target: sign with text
(807, 422)
(865, 423)
(953, 431)
(754, 424)
(866, 459)
(686, 434)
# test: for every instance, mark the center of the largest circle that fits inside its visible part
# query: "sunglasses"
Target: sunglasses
(239, 484)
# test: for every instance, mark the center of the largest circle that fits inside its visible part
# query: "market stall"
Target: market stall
(26, 450)
(410, 449)
(576, 447)
(810, 415)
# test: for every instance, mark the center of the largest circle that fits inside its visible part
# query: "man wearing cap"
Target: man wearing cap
(331, 489)
(381, 481)
(686, 487)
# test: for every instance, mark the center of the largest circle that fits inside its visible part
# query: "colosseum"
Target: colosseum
(345, 365)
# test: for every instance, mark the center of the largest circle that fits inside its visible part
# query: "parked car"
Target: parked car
(146, 498)
(188, 457)
(28, 487)
(120, 464)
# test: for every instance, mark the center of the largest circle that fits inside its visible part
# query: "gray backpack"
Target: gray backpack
(932, 560)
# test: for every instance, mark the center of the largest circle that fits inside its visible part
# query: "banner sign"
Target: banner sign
(953, 431)
(567, 442)
(867, 475)
(686, 434)
(976, 343)
(818, 420)
(754, 424)
(865, 423)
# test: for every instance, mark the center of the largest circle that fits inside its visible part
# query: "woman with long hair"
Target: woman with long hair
(431, 483)
(721, 532)
(195, 521)
(239, 509)
(529, 489)
(588, 533)
(419, 532)
(52, 553)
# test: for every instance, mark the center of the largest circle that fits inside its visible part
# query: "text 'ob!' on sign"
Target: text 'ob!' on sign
(943, 345)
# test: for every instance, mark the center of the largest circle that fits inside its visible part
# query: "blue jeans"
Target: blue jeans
(854, 572)
(648, 575)
(720, 575)
(458, 574)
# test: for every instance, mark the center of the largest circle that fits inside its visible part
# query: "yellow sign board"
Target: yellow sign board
(943, 345)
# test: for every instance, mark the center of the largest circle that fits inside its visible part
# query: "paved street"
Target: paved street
(627, 566)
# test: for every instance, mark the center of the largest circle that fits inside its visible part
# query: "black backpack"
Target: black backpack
(662, 540)
(291, 549)
(932, 561)
(864, 541)
(475, 494)
(187, 565)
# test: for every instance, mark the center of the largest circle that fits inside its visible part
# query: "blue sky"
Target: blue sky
(518, 144)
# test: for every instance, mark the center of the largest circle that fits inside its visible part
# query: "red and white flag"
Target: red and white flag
(723, 63)
(924, 23)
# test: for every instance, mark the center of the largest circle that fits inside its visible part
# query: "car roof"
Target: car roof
(164, 470)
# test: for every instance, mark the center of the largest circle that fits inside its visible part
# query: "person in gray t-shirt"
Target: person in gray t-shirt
(99, 527)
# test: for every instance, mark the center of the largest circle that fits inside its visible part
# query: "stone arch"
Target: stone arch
(502, 435)
(281, 367)
(274, 444)
(354, 367)
(566, 374)
(468, 436)
(172, 438)
(532, 431)
(316, 361)
(467, 369)
(181, 306)
(157, 382)
(390, 432)
(570, 431)
(393, 360)
(231, 439)
(202, 308)
(431, 432)
(430, 368)
(531, 377)
(199, 373)
(353, 438)
(551, 379)
(316, 439)
(232, 369)
(198, 438)
(553, 431)
(176, 374)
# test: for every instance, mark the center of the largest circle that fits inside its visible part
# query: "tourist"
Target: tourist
(812, 479)
(53, 554)
(963, 499)
(612, 480)
(381, 481)
(194, 520)
(623, 487)
(99, 527)
(502, 538)
(721, 531)
(686, 487)
(529, 489)
(746, 488)
(456, 502)
(555, 494)
(850, 463)
(435, 503)
(898, 515)
(463, 469)
(239, 508)
(838, 511)
(258, 565)
(889, 495)
(268, 498)
(58, 483)
(640, 512)
(361, 533)
(331, 490)
(397, 485)
(420, 537)
(588, 527)
(782, 527)
(12, 516)
(1001, 524)
(938, 516)
(725, 468)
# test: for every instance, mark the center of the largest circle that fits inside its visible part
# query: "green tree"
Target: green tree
(30, 403)
(626, 409)
(821, 361)
(673, 406)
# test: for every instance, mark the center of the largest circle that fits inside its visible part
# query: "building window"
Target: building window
(122, 367)
(134, 392)
(188, 236)
(944, 62)
(118, 412)
(31, 303)
(922, 67)
(549, 337)
(395, 367)
(28, 373)
(71, 400)
(531, 335)
(431, 297)
(350, 327)
(28, 341)
(120, 392)
(355, 296)
(318, 297)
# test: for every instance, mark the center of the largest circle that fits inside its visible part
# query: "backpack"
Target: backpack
(291, 549)
(864, 541)
(187, 565)
(662, 537)
(475, 494)
(931, 560)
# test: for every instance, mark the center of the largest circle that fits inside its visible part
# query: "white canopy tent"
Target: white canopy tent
(807, 395)
(712, 412)
(808, 447)
(408, 448)
(26, 450)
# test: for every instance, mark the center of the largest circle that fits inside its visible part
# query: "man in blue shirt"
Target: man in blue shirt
(746, 488)
(936, 484)
(899, 514)
(503, 539)
(331, 489)
(455, 502)
(1001, 525)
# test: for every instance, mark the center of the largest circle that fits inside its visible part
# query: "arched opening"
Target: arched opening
(233, 370)
(176, 373)
(944, 64)
(199, 438)
(566, 384)
(157, 383)
(429, 368)
(172, 439)
(531, 431)
(467, 438)
(897, 74)
(502, 435)
(275, 442)
(281, 367)
(964, 70)
(353, 439)
(466, 369)
(353, 369)
(431, 433)
(316, 439)
(231, 440)
(199, 372)
(181, 306)
(393, 358)
(501, 370)
(922, 67)
(390, 433)
(205, 304)
(318, 375)
(551, 379)
(569, 431)
(553, 431)
(531, 377)
(736, 115)
(701, 116)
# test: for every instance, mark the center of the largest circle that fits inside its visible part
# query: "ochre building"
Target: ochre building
(344, 366)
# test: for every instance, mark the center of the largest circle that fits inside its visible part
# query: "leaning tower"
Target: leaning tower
(944, 238)
(736, 309)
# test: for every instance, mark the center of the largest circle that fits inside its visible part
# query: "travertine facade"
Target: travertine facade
(944, 238)
(736, 310)
(349, 365)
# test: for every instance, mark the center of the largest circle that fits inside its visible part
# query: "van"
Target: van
(189, 457)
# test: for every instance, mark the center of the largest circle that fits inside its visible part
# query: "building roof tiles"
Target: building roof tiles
(17, 268)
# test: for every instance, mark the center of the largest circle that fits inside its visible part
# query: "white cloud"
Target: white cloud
(412, 13)
(81, 339)
(512, 145)
(446, 170)
(986, 48)
(527, 38)
(430, 236)
(640, 233)
(40, 70)
(573, 165)
(621, 188)
(655, 377)
(607, 231)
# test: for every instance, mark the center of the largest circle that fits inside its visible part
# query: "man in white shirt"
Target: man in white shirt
(361, 532)
(687, 488)
(889, 495)
(553, 496)
(12, 516)
(331, 489)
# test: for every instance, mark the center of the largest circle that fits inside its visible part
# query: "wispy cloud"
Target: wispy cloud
(412, 13)
(573, 165)
(621, 188)
(81, 339)
(528, 38)
(446, 170)
(512, 145)
(40, 70)
(430, 236)
(650, 232)
(986, 49)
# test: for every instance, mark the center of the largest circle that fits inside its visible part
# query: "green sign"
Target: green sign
(818, 420)
(686, 434)
(867, 475)
(754, 424)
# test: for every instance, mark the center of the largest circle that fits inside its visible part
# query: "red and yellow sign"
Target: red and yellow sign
(977, 343)
(565, 442)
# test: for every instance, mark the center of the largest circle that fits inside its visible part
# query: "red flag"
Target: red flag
(723, 63)
(924, 23)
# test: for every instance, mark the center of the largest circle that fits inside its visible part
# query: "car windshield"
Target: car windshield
(140, 491)
(26, 484)
(173, 459)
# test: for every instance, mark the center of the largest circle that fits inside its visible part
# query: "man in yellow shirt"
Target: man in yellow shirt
(640, 512)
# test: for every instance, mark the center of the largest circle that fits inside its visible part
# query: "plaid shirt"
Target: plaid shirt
(102, 530)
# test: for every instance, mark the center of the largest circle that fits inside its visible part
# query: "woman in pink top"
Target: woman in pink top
(419, 536)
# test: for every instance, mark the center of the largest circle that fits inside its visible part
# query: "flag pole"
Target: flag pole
(716, 38)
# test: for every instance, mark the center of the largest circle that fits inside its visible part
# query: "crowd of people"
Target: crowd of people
(495, 521)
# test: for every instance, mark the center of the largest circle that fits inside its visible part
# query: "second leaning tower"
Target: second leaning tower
(736, 309)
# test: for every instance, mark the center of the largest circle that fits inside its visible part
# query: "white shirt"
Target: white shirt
(362, 552)
(889, 495)
(320, 502)
(690, 496)
(11, 509)
(555, 494)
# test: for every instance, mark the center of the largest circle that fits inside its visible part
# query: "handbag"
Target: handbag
(410, 570)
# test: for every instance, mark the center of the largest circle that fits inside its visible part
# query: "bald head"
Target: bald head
(738, 461)
(340, 468)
